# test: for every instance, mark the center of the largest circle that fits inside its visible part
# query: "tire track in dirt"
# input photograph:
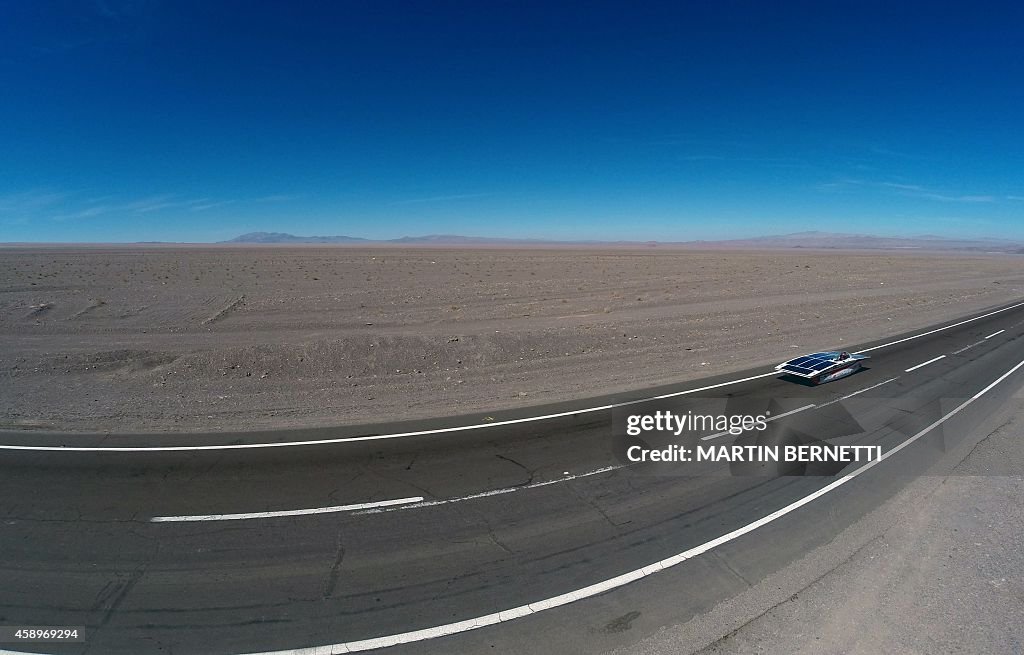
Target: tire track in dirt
(91, 307)
(225, 310)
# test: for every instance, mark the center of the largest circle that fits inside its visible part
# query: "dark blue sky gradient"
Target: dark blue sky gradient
(124, 121)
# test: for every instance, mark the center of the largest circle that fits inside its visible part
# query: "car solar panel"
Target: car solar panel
(824, 366)
(810, 364)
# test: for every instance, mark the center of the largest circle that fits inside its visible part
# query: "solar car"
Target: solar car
(823, 367)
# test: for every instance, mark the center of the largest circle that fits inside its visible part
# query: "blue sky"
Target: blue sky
(130, 121)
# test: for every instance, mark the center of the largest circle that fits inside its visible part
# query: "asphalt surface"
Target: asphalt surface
(138, 546)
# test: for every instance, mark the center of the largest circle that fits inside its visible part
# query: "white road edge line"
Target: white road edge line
(769, 420)
(994, 334)
(460, 428)
(625, 578)
(930, 361)
(289, 512)
(924, 334)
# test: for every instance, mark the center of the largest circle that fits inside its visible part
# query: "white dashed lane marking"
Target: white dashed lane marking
(930, 361)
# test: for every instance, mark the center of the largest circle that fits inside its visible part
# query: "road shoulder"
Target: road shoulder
(935, 569)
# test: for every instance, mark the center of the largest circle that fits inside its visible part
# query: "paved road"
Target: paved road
(529, 523)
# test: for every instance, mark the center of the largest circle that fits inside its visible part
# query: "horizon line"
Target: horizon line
(285, 239)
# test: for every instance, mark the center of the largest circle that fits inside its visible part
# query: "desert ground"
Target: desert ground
(228, 338)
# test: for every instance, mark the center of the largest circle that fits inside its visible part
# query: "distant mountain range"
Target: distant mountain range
(815, 240)
(281, 237)
(871, 242)
(444, 239)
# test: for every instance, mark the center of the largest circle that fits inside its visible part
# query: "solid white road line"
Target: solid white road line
(994, 334)
(924, 334)
(290, 512)
(934, 359)
(625, 578)
(769, 420)
(460, 428)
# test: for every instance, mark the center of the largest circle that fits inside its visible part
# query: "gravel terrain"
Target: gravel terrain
(225, 338)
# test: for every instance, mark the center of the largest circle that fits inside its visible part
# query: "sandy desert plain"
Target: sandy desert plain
(195, 338)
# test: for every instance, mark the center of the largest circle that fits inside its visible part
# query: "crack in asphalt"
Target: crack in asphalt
(497, 542)
(728, 565)
(335, 572)
(531, 472)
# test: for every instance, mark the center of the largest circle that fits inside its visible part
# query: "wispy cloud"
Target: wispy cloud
(21, 208)
(910, 190)
(968, 198)
(458, 196)
(901, 187)
(91, 212)
(204, 205)
(45, 204)
(152, 204)
(31, 200)
(921, 192)
(139, 206)
(840, 185)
